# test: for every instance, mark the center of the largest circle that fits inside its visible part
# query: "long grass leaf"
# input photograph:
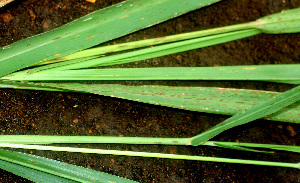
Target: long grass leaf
(226, 101)
(153, 155)
(271, 73)
(57, 168)
(256, 112)
(202, 99)
(49, 139)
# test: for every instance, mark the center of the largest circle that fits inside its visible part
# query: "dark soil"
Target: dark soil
(52, 113)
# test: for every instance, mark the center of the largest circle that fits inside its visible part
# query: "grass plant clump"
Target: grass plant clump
(62, 58)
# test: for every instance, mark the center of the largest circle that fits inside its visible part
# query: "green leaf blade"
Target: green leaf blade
(256, 112)
(287, 21)
(271, 73)
(226, 101)
(57, 168)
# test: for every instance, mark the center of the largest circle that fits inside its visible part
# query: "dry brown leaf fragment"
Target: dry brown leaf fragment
(91, 1)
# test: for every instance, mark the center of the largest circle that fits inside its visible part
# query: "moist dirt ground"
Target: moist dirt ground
(54, 113)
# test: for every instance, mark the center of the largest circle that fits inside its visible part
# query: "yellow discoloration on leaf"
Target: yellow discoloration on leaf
(110, 75)
(56, 55)
(33, 163)
(90, 37)
(123, 16)
(250, 68)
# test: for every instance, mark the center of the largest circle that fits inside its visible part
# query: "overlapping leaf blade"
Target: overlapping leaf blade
(295, 149)
(156, 155)
(157, 51)
(271, 73)
(91, 30)
(32, 174)
(66, 171)
(271, 106)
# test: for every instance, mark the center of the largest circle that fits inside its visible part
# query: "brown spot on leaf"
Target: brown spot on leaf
(123, 16)
(57, 38)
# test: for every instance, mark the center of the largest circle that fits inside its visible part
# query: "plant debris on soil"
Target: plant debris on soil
(53, 113)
